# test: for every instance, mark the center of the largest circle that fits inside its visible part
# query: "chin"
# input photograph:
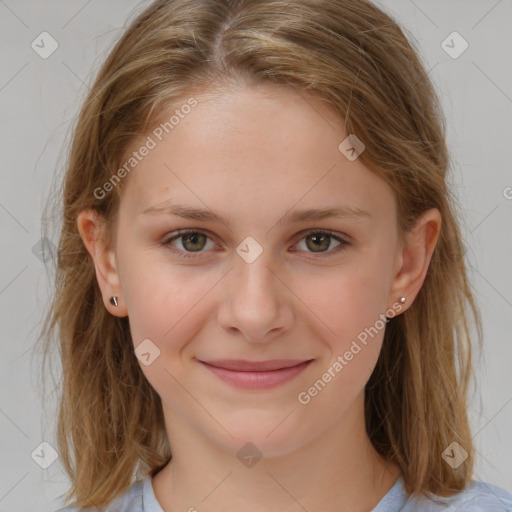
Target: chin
(263, 435)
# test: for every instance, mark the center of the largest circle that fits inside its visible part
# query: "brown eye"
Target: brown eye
(187, 242)
(194, 241)
(320, 241)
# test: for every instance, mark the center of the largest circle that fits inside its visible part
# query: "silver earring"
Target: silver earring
(402, 301)
(113, 301)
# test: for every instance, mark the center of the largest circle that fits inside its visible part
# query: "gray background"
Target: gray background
(39, 99)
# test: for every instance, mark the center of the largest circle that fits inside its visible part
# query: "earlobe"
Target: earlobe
(91, 227)
(416, 255)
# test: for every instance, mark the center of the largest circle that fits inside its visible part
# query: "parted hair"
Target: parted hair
(356, 58)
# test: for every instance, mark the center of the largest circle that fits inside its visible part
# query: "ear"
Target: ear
(413, 258)
(92, 227)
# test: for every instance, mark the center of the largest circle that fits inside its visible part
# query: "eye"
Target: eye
(193, 241)
(190, 239)
(321, 240)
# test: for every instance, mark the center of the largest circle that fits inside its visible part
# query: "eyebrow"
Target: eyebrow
(202, 214)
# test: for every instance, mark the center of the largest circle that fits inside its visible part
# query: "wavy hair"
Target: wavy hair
(356, 58)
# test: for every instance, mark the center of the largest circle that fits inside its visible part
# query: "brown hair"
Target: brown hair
(357, 59)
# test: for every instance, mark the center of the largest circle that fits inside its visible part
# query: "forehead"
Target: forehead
(266, 145)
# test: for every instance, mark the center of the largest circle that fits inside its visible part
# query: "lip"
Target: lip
(256, 374)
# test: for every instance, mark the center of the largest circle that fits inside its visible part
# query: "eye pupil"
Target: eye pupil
(323, 238)
(193, 237)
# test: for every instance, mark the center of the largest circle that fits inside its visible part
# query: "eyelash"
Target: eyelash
(185, 254)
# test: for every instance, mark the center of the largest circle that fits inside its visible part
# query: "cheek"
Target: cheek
(166, 303)
(351, 308)
(165, 307)
(345, 301)
(348, 306)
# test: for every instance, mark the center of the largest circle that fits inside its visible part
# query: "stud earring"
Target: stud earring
(402, 301)
(113, 301)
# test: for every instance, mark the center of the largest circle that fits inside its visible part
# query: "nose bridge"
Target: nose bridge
(253, 303)
(253, 269)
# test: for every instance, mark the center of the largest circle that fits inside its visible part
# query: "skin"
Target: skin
(252, 155)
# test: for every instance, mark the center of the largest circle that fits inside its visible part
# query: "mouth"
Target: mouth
(256, 374)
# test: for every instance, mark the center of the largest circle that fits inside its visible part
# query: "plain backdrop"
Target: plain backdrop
(39, 98)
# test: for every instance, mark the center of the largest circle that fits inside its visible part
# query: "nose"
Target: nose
(256, 303)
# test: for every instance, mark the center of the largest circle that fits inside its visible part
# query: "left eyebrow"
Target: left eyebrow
(325, 213)
(201, 214)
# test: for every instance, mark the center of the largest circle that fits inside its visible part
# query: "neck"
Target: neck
(340, 471)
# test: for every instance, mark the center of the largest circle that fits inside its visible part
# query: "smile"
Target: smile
(256, 375)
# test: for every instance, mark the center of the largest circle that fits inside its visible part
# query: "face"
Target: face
(261, 284)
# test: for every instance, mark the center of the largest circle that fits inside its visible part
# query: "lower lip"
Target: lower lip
(257, 380)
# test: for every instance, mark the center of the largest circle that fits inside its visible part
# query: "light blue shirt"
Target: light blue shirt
(477, 497)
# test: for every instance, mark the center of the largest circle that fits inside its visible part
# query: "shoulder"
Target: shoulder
(478, 496)
(128, 501)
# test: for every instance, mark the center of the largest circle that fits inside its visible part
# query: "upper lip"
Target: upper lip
(242, 365)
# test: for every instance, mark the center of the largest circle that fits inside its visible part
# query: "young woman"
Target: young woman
(262, 300)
